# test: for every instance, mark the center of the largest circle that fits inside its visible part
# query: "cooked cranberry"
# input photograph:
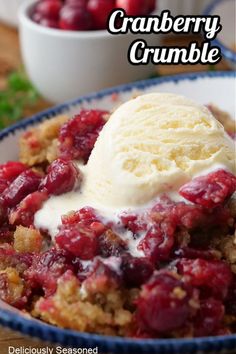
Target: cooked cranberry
(20, 261)
(61, 178)
(136, 271)
(134, 7)
(78, 136)
(135, 223)
(75, 18)
(47, 267)
(12, 169)
(3, 185)
(24, 212)
(49, 9)
(81, 241)
(110, 244)
(164, 303)
(210, 190)
(100, 10)
(187, 215)
(231, 298)
(158, 242)
(102, 277)
(209, 318)
(192, 253)
(26, 183)
(210, 274)
(86, 215)
(6, 234)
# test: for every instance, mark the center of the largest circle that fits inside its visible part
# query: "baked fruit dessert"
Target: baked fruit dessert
(123, 223)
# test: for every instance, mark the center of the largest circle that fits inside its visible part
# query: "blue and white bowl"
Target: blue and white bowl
(212, 87)
(226, 39)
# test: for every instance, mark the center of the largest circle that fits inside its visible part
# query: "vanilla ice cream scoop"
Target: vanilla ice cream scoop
(151, 145)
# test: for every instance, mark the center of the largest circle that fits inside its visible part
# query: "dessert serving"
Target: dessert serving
(123, 222)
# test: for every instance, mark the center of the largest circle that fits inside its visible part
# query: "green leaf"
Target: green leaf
(19, 94)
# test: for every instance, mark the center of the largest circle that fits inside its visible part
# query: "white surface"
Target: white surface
(65, 64)
(9, 10)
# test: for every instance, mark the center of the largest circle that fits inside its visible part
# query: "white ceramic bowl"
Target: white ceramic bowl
(226, 38)
(203, 88)
(9, 10)
(66, 64)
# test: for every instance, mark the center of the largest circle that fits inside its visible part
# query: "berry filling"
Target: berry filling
(167, 270)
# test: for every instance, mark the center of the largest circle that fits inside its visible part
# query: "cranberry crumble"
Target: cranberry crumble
(123, 223)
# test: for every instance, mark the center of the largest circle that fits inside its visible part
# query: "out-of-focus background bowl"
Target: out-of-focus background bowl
(226, 38)
(65, 64)
(183, 7)
(9, 10)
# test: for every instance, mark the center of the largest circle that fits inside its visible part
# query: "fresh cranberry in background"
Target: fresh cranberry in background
(84, 15)
(134, 7)
(49, 9)
(75, 18)
(100, 10)
(49, 23)
(152, 6)
(82, 3)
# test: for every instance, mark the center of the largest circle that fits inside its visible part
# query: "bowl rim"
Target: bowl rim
(15, 320)
(25, 20)
(227, 52)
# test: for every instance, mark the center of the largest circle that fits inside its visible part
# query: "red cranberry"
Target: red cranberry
(134, 7)
(3, 185)
(111, 244)
(46, 268)
(100, 10)
(75, 18)
(49, 9)
(209, 318)
(26, 183)
(101, 278)
(231, 298)
(49, 23)
(151, 5)
(85, 215)
(164, 303)
(158, 242)
(135, 223)
(81, 241)
(82, 3)
(78, 136)
(24, 212)
(36, 17)
(136, 271)
(10, 170)
(210, 190)
(210, 274)
(20, 261)
(192, 253)
(6, 234)
(61, 178)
